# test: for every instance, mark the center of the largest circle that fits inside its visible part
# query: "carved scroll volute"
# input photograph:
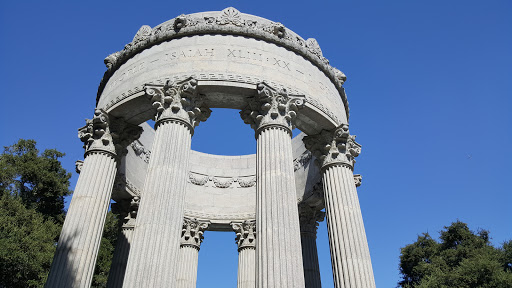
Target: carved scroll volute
(178, 101)
(336, 147)
(192, 232)
(272, 108)
(245, 234)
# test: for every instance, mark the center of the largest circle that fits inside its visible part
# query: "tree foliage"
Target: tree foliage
(461, 259)
(27, 244)
(32, 190)
(37, 179)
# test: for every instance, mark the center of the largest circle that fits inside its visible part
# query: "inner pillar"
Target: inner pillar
(278, 256)
(156, 242)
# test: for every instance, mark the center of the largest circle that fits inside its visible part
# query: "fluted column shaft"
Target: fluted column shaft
(187, 270)
(309, 218)
(153, 257)
(75, 258)
(350, 255)
(278, 257)
(246, 268)
(310, 258)
(128, 210)
(118, 267)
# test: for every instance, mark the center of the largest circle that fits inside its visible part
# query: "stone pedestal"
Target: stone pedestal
(246, 240)
(278, 257)
(118, 266)
(191, 238)
(309, 219)
(350, 255)
(156, 240)
(75, 258)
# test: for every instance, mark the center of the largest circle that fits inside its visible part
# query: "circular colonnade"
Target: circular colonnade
(169, 195)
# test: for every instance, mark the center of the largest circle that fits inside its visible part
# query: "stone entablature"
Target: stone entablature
(228, 22)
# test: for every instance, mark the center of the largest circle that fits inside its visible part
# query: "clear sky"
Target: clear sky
(429, 86)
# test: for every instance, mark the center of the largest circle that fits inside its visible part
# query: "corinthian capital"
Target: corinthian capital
(96, 134)
(309, 218)
(192, 232)
(336, 147)
(272, 108)
(178, 101)
(245, 234)
(107, 134)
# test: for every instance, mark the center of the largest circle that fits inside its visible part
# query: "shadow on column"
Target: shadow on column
(61, 272)
(119, 261)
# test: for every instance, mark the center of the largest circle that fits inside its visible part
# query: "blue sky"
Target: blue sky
(429, 86)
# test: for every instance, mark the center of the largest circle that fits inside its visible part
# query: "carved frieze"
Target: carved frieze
(192, 232)
(334, 147)
(272, 108)
(245, 234)
(222, 181)
(228, 21)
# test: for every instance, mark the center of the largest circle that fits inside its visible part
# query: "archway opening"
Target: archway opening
(218, 260)
(224, 133)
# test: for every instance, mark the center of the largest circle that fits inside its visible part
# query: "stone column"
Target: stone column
(122, 250)
(153, 257)
(278, 259)
(246, 240)
(191, 238)
(78, 245)
(350, 256)
(309, 218)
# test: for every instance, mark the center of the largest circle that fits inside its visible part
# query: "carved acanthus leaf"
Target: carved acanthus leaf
(271, 107)
(141, 151)
(96, 133)
(178, 101)
(334, 147)
(192, 232)
(309, 218)
(198, 180)
(248, 182)
(245, 234)
(230, 16)
(78, 166)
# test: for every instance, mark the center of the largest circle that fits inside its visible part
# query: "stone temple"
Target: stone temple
(169, 195)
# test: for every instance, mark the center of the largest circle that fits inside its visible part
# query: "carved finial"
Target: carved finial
(192, 232)
(179, 101)
(245, 234)
(272, 108)
(309, 218)
(230, 16)
(143, 33)
(334, 147)
(313, 47)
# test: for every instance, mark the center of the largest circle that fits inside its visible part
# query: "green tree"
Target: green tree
(27, 244)
(32, 190)
(461, 259)
(37, 179)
